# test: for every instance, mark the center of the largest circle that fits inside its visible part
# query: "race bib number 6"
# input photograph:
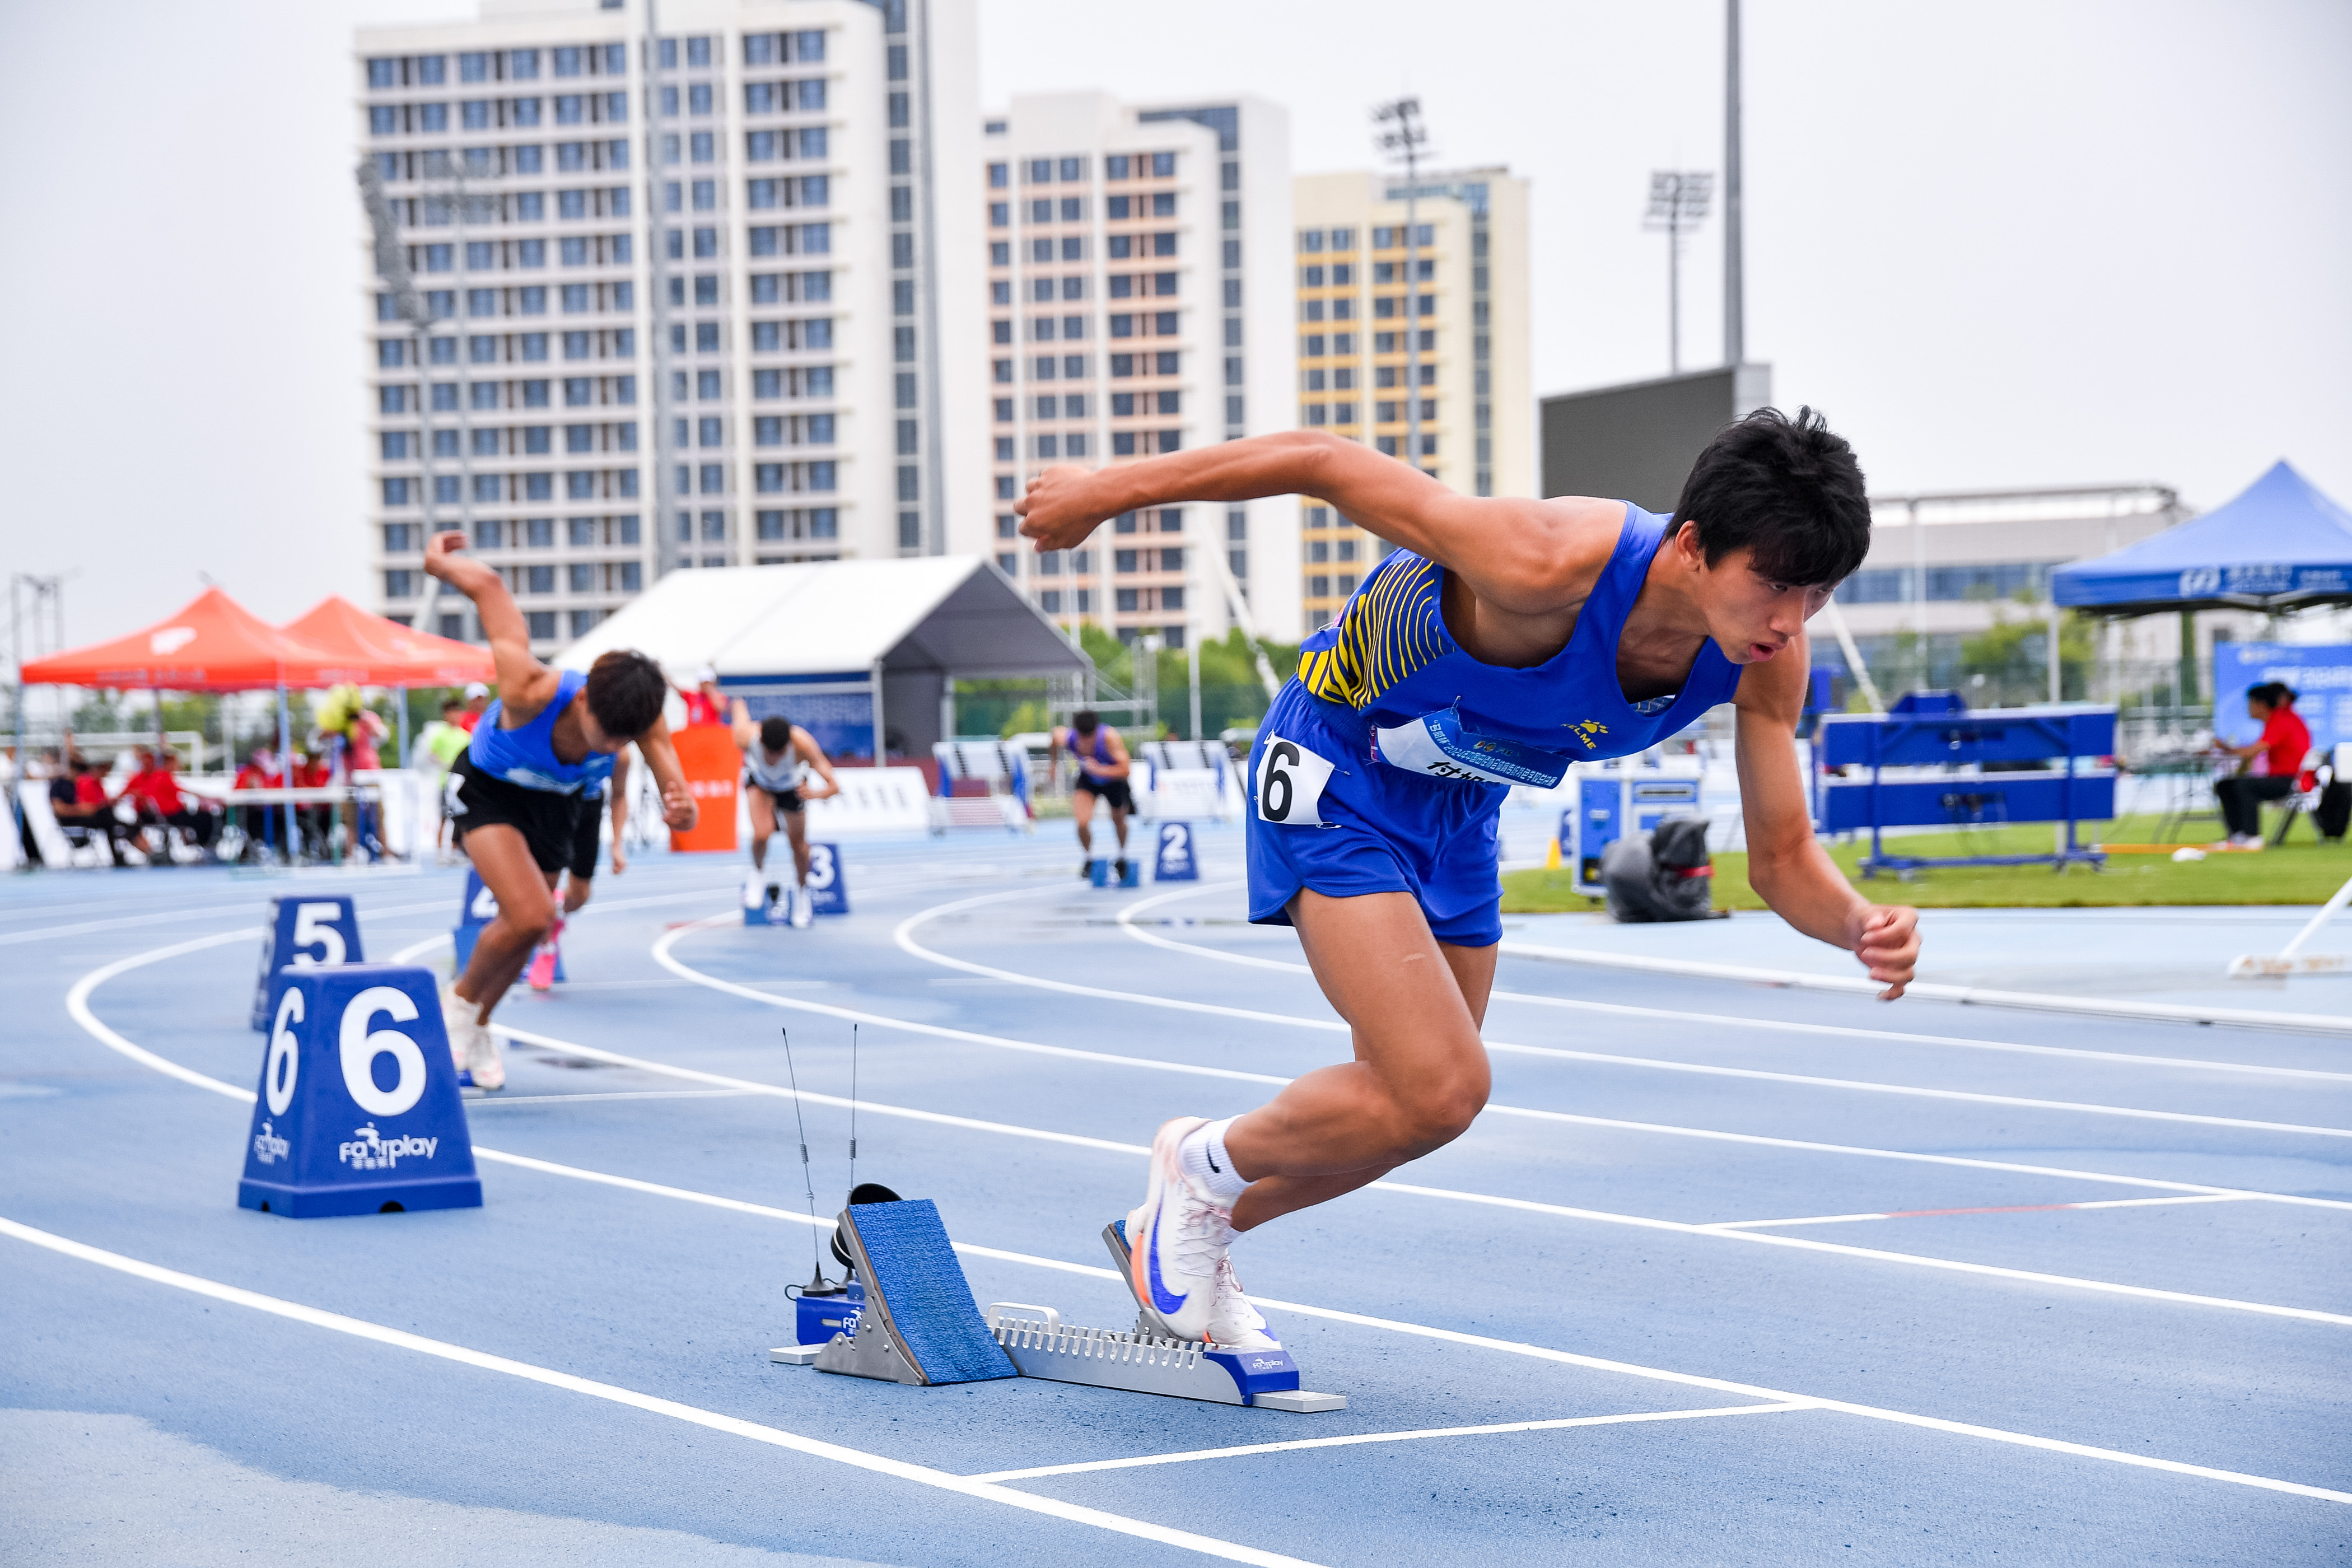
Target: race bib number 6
(1290, 781)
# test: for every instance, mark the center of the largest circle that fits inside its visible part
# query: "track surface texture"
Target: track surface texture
(2076, 1291)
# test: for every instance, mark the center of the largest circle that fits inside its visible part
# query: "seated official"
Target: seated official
(2273, 763)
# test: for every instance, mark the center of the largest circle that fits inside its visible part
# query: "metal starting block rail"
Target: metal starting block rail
(919, 1325)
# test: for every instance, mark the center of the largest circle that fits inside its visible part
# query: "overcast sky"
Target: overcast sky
(2002, 244)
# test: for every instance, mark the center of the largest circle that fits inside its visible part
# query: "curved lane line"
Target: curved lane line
(905, 941)
(1541, 1352)
(398, 1339)
(1628, 1010)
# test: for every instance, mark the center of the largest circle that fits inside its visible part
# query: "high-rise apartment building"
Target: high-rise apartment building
(683, 267)
(1138, 303)
(1374, 272)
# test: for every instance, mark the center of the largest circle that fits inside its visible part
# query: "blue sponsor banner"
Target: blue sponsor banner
(2320, 673)
(358, 1111)
(306, 932)
(1174, 859)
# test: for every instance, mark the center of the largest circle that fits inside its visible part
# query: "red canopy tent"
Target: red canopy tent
(390, 653)
(213, 644)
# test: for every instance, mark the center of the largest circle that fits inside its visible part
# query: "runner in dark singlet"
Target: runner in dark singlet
(1103, 769)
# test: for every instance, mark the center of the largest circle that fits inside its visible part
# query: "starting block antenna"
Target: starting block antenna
(853, 1112)
(817, 1282)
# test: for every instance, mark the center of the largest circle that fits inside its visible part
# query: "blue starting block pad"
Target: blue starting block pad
(1099, 872)
(919, 1323)
(304, 933)
(358, 1111)
(478, 909)
(1172, 859)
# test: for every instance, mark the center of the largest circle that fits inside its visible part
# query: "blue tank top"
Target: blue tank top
(1435, 709)
(1101, 746)
(525, 755)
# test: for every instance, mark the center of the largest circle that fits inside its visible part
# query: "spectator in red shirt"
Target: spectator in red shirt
(704, 705)
(2275, 760)
(261, 771)
(156, 791)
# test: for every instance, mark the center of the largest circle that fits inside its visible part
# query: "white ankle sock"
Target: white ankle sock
(1206, 1162)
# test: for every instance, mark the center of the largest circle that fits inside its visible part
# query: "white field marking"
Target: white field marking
(237, 909)
(617, 1094)
(1777, 1025)
(1994, 1208)
(1252, 1449)
(906, 941)
(1966, 995)
(924, 1475)
(1330, 1314)
(662, 952)
(1450, 1194)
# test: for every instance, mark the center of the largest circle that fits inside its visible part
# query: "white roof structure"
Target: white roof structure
(954, 614)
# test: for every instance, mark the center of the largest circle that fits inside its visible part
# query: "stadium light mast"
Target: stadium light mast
(1405, 139)
(1735, 277)
(1678, 202)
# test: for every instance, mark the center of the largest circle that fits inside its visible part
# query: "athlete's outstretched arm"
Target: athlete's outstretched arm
(1786, 865)
(1524, 556)
(814, 755)
(738, 718)
(619, 790)
(678, 807)
(525, 685)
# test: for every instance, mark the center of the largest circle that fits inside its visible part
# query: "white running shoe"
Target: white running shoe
(488, 1068)
(1234, 1324)
(803, 909)
(459, 1019)
(1177, 1239)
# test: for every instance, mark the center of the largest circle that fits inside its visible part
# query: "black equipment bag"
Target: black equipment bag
(1665, 875)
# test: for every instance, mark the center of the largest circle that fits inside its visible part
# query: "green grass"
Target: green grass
(2304, 872)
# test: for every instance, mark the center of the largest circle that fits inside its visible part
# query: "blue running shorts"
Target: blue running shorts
(1323, 814)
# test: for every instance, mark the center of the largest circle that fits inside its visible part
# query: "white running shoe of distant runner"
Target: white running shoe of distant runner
(459, 1019)
(488, 1068)
(1176, 1240)
(1233, 1323)
(803, 909)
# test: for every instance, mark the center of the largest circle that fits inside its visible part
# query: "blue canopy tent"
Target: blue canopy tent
(2280, 545)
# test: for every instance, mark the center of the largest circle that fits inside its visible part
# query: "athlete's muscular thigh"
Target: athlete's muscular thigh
(1401, 991)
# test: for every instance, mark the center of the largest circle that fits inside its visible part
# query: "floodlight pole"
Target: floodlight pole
(1678, 204)
(1406, 142)
(1735, 284)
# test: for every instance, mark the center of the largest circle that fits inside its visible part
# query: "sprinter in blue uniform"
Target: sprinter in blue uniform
(537, 767)
(1505, 640)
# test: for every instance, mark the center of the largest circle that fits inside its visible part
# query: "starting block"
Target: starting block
(304, 934)
(916, 1323)
(1172, 859)
(1099, 872)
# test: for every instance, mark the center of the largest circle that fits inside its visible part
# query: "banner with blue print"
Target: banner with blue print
(2320, 674)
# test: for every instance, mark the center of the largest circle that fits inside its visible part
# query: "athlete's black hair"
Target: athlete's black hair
(1086, 720)
(1788, 489)
(625, 691)
(775, 732)
(2273, 694)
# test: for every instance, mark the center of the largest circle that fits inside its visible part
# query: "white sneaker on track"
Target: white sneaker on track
(1233, 1323)
(1176, 1240)
(803, 909)
(489, 1068)
(459, 1020)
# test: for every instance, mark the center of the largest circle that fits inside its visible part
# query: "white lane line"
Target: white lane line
(1777, 1025)
(228, 909)
(1966, 995)
(397, 1338)
(1994, 1208)
(472, 1103)
(1450, 1194)
(907, 942)
(1251, 1449)
(1391, 1325)
(663, 953)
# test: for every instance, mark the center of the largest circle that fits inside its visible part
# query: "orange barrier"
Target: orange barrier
(713, 765)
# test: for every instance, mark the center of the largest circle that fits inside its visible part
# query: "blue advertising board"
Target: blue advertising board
(2320, 673)
(1172, 858)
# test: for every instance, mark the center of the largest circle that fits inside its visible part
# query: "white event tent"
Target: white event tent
(838, 646)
